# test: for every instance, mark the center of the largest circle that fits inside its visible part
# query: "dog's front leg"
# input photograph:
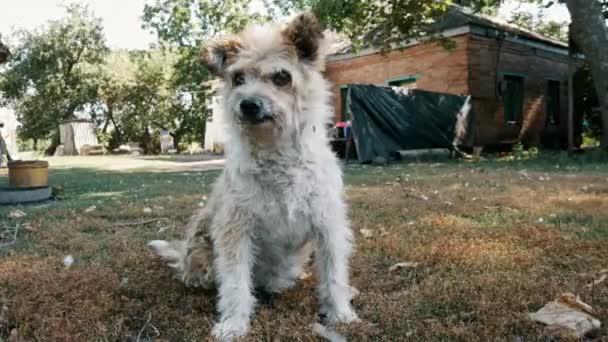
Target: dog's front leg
(335, 244)
(233, 264)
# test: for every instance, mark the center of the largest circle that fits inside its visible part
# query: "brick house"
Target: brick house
(517, 78)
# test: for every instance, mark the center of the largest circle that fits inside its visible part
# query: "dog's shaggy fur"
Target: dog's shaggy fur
(280, 196)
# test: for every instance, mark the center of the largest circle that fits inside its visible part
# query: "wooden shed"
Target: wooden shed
(75, 134)
(215, 130)
(8, 129)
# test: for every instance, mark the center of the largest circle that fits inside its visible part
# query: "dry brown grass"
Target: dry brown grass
(486, 258)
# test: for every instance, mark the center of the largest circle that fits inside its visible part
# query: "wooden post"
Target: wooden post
(570, 106)
(571, 70)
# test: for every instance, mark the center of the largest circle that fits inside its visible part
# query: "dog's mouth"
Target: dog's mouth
(258, 120)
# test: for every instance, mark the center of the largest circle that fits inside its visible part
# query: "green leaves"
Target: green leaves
(182, 28)
(4, 52)
(51, 74)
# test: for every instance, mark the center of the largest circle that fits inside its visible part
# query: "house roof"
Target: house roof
(458, 17)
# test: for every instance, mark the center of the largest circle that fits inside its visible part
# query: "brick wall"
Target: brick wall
(537, 67)
(440, 69)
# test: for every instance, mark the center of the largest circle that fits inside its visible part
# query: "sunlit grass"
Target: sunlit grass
(494, 240)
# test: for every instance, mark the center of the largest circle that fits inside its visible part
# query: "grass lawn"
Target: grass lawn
(494, 240)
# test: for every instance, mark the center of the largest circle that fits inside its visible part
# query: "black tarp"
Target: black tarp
(388, 119)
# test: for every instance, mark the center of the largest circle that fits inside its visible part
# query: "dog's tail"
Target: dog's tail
(192, 258)
(173, 252)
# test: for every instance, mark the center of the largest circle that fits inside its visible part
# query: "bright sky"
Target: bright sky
(557, 12)
(121, 18)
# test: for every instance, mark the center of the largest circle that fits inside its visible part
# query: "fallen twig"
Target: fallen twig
(142, 223)
(144, 328)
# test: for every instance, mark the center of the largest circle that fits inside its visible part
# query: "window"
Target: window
(513, 97)
(552, 104)
(343, 104)
(404, 82)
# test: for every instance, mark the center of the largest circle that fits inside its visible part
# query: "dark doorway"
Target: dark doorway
(513, 97)
(553, 103)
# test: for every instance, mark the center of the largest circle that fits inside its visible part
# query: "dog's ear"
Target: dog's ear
(305, 33)
(218, 54)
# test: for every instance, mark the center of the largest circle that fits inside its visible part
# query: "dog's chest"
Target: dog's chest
(283, 200)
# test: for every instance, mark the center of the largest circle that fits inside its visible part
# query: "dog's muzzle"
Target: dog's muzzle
(253, 111)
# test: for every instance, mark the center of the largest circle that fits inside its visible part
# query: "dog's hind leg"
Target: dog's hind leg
(276, 273)
(191, 259)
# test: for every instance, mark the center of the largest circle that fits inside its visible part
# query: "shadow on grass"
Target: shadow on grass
(84, 187)
(182, 158)
(552, 161)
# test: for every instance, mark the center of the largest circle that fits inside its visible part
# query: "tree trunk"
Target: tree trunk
(55, 142)
(590, 33)
(105, 126)
(147, 141)
(202, 133)
(176, 140)
(116, 128)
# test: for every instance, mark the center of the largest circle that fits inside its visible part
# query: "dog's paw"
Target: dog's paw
(202, 278)
(345, 315)
(229, 330)
(171, 251)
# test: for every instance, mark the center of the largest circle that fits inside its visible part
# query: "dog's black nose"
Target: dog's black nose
(251, 108)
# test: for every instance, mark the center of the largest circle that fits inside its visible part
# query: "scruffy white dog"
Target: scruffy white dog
(280, 196)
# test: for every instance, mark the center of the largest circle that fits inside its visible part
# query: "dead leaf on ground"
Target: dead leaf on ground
(328, 334)
(163, 229)
(599, 278)
(68, 261)
(367, 233)
(14, 337)
(402, 265)
(567, 315)
(28, 226)
(16, 214)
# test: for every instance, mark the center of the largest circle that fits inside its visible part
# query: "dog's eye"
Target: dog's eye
(281, 78)
(238, 79)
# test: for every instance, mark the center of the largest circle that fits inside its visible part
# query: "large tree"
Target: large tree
(51, 75)
(589, 33)
(182, 27)
(554, 29)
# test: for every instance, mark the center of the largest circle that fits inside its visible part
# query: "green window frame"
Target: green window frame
(401, 81)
